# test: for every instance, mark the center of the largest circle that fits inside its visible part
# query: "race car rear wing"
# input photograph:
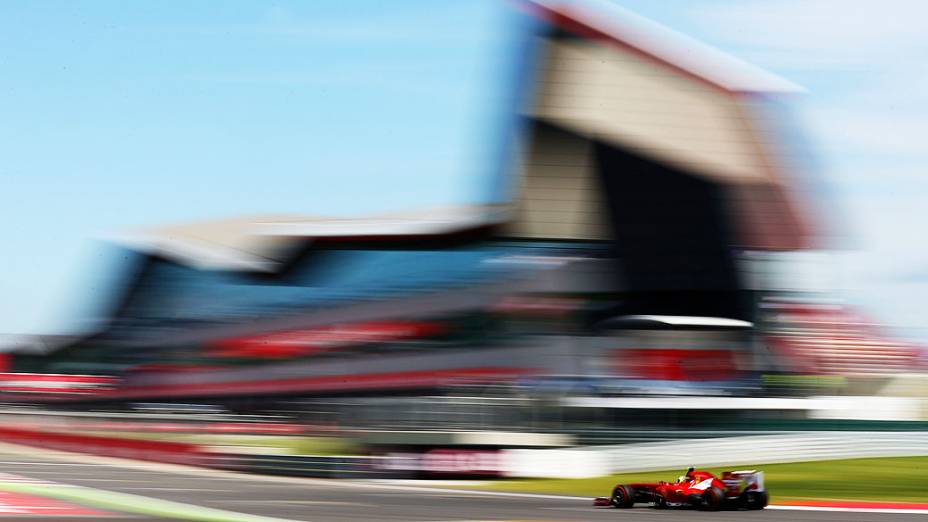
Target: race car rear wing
(738, 482)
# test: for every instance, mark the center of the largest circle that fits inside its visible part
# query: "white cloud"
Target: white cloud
(828, 33)
(880, 109)
(868, 131)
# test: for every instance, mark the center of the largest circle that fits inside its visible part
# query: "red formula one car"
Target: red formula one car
(696, 489)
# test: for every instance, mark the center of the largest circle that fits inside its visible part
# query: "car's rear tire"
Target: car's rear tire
(623, 497)
(713, 499)
(756, 500)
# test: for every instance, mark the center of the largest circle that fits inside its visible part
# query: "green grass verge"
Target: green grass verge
(892, 479)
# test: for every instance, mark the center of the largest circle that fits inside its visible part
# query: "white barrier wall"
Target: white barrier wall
(870, 408)
(884, 408)
(711, 452)
(554, 463)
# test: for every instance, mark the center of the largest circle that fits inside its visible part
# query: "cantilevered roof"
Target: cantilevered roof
(222, 244)
(609, 76)
(263, 242)
(604, 19)
(420, 222)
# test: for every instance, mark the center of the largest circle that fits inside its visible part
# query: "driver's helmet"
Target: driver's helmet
(688, 476)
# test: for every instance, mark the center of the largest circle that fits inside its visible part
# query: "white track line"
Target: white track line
(851, 509)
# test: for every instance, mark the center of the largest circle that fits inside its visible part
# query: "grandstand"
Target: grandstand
(831, 339)
(646, 166)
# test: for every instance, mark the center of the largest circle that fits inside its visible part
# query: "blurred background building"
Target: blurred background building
(628, 249)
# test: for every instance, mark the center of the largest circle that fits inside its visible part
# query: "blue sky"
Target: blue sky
(119, 114)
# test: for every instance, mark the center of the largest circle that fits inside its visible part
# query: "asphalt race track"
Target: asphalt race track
(328, 501)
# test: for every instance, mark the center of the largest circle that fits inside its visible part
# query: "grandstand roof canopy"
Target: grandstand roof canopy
(261, 242)
(610, 78)
(604, 19)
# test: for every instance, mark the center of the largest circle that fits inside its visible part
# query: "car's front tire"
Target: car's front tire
(623, 497)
